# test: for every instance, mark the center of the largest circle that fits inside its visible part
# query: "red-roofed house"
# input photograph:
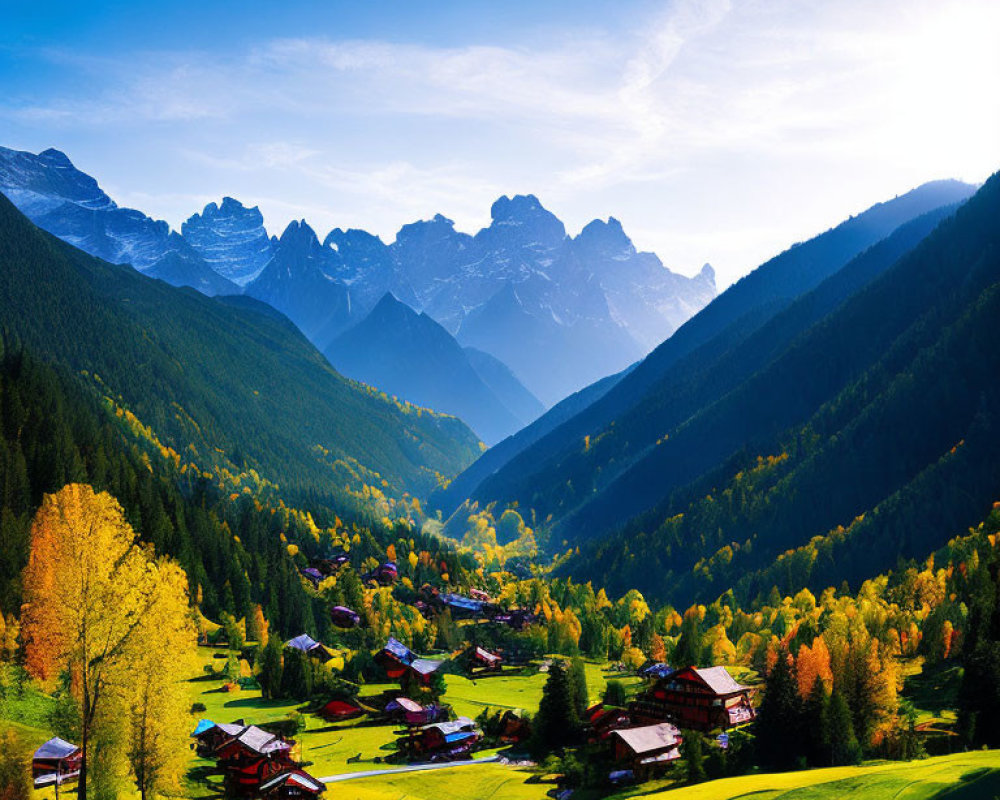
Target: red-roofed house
(701, 699)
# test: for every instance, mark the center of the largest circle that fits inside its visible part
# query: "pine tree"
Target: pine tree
(557, 722)
(778, 728)
(578, 685)
(693, 754)
(269, 677)
(844, 747)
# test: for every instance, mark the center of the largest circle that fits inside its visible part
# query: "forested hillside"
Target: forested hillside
(224, 384)
(573, 463)
(876, 429)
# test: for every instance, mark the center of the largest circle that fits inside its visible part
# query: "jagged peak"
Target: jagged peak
(298, 230)
(707, 273)
(56, 157)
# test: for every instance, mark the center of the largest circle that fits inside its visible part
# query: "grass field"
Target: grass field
(964, 776)
(356, 746)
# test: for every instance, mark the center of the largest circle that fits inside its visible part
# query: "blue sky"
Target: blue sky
(716, 131)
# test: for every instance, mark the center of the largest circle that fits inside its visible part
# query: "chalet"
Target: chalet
(313, 575)
(410, 712)
(648, 749)
(209, 736)
(516, 618)
(701, 699)
(250, 745)
(55, 762)
(306, 644)
(340, 710)
(384, 574)
(442, 740)
(477, 660)
(602, 721)
(291, 783)
(462, 607)
(344, 617)
(400, 663)
(331, 564)
(480, 595)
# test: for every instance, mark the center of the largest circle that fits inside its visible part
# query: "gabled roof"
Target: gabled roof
(649, 738)
(464, 603)
(448, 728)
(404, 703)
(425, 666)
(486, 655)
(202, 726)
(400, 651)
(260, 741)
(656, 670)
(304, 642)
(56, 748)
(296, 777)
(719, 680)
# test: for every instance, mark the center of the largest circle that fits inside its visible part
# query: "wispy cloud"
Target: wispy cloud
(708, 125)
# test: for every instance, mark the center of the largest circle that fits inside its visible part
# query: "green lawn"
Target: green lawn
(963, 776)
(933, 690)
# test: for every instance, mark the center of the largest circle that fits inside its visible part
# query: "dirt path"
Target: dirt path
(350, 776)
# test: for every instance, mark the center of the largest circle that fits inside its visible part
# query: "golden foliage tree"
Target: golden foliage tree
(95, 604)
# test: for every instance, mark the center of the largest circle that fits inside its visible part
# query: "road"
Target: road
(350, 776)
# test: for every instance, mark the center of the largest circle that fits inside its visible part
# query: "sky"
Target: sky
(717, 131)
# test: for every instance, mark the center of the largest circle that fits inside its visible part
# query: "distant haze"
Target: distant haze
(715, 131)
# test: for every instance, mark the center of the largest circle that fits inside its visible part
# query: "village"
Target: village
(471, 707)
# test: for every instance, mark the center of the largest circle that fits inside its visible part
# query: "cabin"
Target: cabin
(462, 607)
(251, 745)
(646, 750)
(306, 644)
(55, 762)
(701, 699)
(516, 618)
(291, 784)
(602, 721)
(344, 617)
(410, 712)
(340, 710)
(209, 736)
(480, 595)
(400, 663)
(442, 740)
(313, 575)
(478, 660)
(384, 574)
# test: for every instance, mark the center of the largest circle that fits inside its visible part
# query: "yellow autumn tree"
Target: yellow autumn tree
(812, 663)
(91, 592)
(159, 720)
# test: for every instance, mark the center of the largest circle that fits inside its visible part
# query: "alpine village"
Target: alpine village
(511, 514)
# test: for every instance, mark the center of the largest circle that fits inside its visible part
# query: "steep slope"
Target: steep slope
(883, 416)
(231, 239)
(69, 204)
(505, 385)
(585, 454)
(225, 381)
(298, 282)
(411, 356)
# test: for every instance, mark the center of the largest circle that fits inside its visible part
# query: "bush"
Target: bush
(198, 708)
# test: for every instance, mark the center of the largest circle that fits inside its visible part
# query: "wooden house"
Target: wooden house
(513, 727)
(646, 750)
(251, 745)
(410, 712)
(442, 740)
(384, 574)
(292, 783)
(209, 736)
(400, 663)
(701, 699)
(344, 617)
(306, 644)
(601, 721)
(55, 762)
(478, 660)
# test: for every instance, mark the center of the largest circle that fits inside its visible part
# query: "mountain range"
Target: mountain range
(641, 438)
(226, 383)
(411, 356)
(560, 312)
